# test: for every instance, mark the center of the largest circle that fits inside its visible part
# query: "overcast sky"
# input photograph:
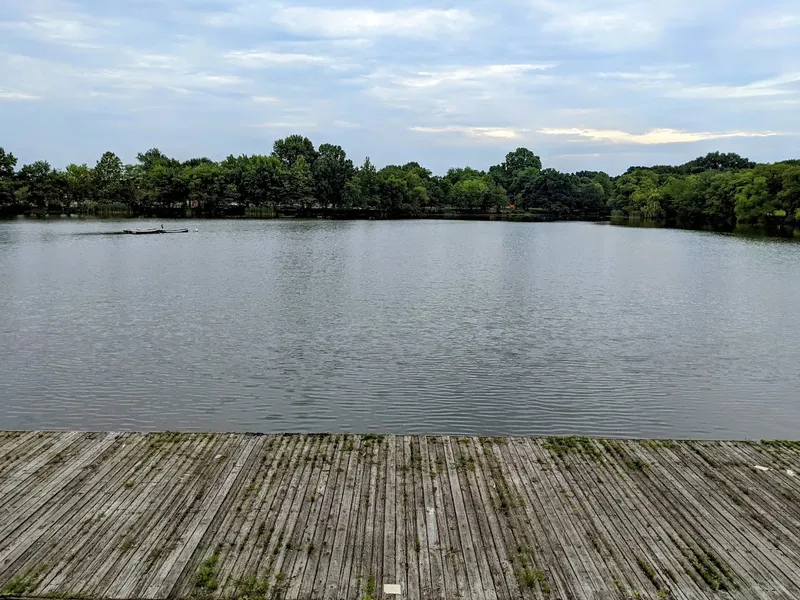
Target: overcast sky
(585, 84)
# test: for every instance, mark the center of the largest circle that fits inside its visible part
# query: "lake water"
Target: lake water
(488, 328)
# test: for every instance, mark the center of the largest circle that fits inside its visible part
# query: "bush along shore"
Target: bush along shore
(297, 179)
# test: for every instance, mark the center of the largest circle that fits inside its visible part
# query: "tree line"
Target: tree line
(299, 179)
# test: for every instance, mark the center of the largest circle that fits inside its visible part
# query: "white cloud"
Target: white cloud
(475, 74)
(612, 26)
(52, 28)
(14, 95)
(775, 21)
(462, 92)
(643, 75)
(361, 23)
(619, 25)
(767, 87)
(653, 137)
(298, 125)
(256, 59)
(502, 133)
(345, 124)
(265, 99)
(181, 81)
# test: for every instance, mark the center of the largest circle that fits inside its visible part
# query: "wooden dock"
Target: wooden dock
(135, 516)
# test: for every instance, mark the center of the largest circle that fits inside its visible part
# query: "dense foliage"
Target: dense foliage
(297, 178)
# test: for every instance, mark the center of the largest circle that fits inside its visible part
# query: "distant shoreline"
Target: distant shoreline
(757, 231)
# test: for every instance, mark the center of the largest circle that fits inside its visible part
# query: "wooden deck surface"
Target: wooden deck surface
(113, 515)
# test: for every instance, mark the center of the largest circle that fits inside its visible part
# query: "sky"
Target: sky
(597, 85)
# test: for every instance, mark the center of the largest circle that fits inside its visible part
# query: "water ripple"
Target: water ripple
(409, 327)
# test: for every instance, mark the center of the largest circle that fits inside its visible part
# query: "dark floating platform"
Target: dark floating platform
(153, 231)
(166, 515)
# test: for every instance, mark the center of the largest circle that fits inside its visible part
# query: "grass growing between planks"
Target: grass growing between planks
(529, 577)
(25, 583)
(206, 576)
(562, 446)
(369, 589)
(253, 587)
(650, 573)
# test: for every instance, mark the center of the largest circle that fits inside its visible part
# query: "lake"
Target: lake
(490, 328)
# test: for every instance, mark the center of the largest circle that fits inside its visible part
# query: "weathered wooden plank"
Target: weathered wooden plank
(409, 516)
(390, 574)
(306, 560)
(281, 452)
(371, 497)
(124, 519)
(26, 533)
(36, 529)
(454, 578)
(297, 496)
(628, 532)
(327, 572)
(490, 512)
(17, 446)
(429, 523)
(474, 577)
(224, 542)
(351, 581)
(315, 573)
(627, 527)
(556, 564)
(43, 450)
(718, 527)
(379, 533)
(585, 580)
(65, 530)
(113, 518)
(772, 513)
(403, 466)
(157, 536)
(683, 527)
(177, 560)
(770, 495)
(240, 534)
(517, 551)
(192, 492)
(571, 526)
(41, 475)
(337, 556)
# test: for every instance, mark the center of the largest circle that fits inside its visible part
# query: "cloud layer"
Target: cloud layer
(584, 83)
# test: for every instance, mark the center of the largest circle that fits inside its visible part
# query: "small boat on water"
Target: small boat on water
(153, 231)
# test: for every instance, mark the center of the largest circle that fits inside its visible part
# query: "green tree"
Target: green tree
(718, 192)
(8, 163)
(299, 185)
(264, 182)
(553, 192)
(509, 173)
(332, 170)
(40, 186)
(717, 161)
(789, 196)
(208, 191)
(79, 185)
(633, 190)
(361, 191)
(109, 183)
(457, 175)
(291, 148)
(753, 202)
